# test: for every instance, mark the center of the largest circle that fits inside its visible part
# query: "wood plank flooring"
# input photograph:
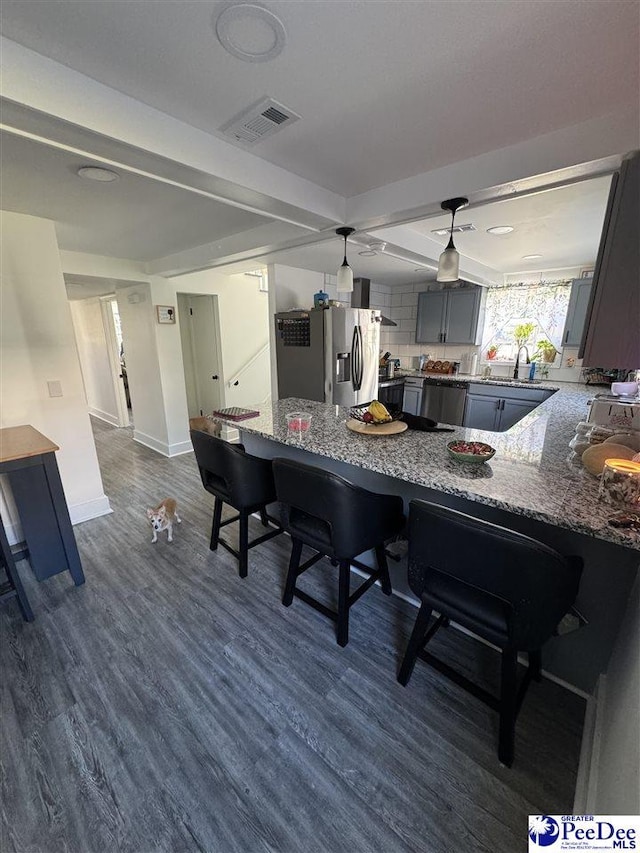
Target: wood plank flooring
(167, 705)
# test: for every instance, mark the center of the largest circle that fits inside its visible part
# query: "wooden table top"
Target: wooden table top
(20, 442)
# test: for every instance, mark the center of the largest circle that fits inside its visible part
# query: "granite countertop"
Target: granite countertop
(531, 473)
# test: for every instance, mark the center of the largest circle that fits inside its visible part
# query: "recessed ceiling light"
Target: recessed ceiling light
(250, 32)
(95, 173)
(500, 229)
(530, 257)
(368, 253)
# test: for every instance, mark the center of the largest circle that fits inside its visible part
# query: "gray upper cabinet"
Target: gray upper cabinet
(577, 312)
(449, 316)
(431, 316)
(611, 336)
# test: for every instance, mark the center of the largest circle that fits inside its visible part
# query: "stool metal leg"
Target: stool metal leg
(243, 544)
(343, 602)
(508, 706)
(215, 527)
(292, 574)
(383, 567)
(263, 517)
(416, 642)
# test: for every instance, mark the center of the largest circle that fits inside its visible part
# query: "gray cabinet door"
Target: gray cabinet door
(412, 400)
(431, 316)
(482, 412)
(461, 322)
(513, 411)
(577, 312)
(611, 336)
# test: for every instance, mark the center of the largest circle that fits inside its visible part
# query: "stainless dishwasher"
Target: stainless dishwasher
(443, 401)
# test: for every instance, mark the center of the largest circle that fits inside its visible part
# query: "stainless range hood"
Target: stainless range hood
(360, 297)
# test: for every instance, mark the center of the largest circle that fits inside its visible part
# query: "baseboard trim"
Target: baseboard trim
(77, 513)
(104, 416)
(90, 509)
(589, 763)
(180, 447)
(151, 442)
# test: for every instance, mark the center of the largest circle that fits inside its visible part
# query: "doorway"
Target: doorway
(201, 353)
(117, 361)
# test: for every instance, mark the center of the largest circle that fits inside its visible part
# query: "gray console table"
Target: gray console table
(28, 458)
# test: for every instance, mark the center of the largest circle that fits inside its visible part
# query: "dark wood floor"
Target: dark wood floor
(169, 705)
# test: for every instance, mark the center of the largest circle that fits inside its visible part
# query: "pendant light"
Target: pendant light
(345, 273)
(449, 263)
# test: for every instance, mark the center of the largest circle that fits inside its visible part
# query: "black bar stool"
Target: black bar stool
(244, 482)
(340, 521)
(13, 585)
(503, 586)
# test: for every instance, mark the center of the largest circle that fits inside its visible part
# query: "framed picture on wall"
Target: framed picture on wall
(166, 313)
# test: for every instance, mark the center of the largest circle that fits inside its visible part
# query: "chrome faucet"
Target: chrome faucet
(528, 361)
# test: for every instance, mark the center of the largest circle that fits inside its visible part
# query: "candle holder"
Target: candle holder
(620, 484)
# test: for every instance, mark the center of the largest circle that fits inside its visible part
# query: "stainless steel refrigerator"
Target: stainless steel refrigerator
(328, 354)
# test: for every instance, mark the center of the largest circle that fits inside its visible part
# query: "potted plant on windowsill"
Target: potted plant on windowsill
(492, 352)
(545, 351)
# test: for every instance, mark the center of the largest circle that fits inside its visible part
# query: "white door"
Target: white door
(200, 326)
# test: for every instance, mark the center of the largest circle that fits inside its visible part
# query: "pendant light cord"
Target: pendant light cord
(345, 251)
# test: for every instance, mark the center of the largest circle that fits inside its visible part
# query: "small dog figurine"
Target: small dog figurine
(162, 518)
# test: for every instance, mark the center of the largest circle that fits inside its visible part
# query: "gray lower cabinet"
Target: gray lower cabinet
(481, 412)
(576, 312)
(497, 408)
(412, 402)
(449, 316)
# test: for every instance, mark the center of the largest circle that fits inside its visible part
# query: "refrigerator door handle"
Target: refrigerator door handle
(360, 358)
(358, 366)
(354, 359)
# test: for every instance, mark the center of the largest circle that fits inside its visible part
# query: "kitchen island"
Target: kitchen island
(530, 485)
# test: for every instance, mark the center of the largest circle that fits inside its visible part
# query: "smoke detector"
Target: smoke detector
(258, 121)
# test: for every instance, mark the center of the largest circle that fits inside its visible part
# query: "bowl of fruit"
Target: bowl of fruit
(470, 451)
(374, 414)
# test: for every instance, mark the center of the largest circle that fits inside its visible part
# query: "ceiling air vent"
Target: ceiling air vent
(457, 229)
(259, 121)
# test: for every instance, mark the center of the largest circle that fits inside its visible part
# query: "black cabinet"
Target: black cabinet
(449, 316)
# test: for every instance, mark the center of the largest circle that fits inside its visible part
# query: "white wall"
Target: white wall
(38, 345)
(616, 771)
(138, 319)
(244, 331)
(94, 359)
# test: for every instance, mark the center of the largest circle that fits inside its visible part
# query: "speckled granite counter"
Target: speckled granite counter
(530, 475)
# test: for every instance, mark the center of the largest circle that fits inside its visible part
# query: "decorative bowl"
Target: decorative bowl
(470, 451)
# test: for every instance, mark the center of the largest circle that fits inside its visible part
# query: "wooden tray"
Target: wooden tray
(391, 428)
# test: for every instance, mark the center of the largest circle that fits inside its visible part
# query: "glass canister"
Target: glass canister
(320, 299)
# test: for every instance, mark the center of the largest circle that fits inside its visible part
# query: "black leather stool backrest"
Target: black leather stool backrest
(538, 584)
(331, 513)
(230, 473)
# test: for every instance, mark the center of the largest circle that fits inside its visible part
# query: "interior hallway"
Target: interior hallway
(169, 705)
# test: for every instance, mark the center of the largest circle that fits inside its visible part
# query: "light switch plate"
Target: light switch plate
(55, 388)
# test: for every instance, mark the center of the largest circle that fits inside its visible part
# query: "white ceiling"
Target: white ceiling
(563, 225)
(415, 85)
(134, 217)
